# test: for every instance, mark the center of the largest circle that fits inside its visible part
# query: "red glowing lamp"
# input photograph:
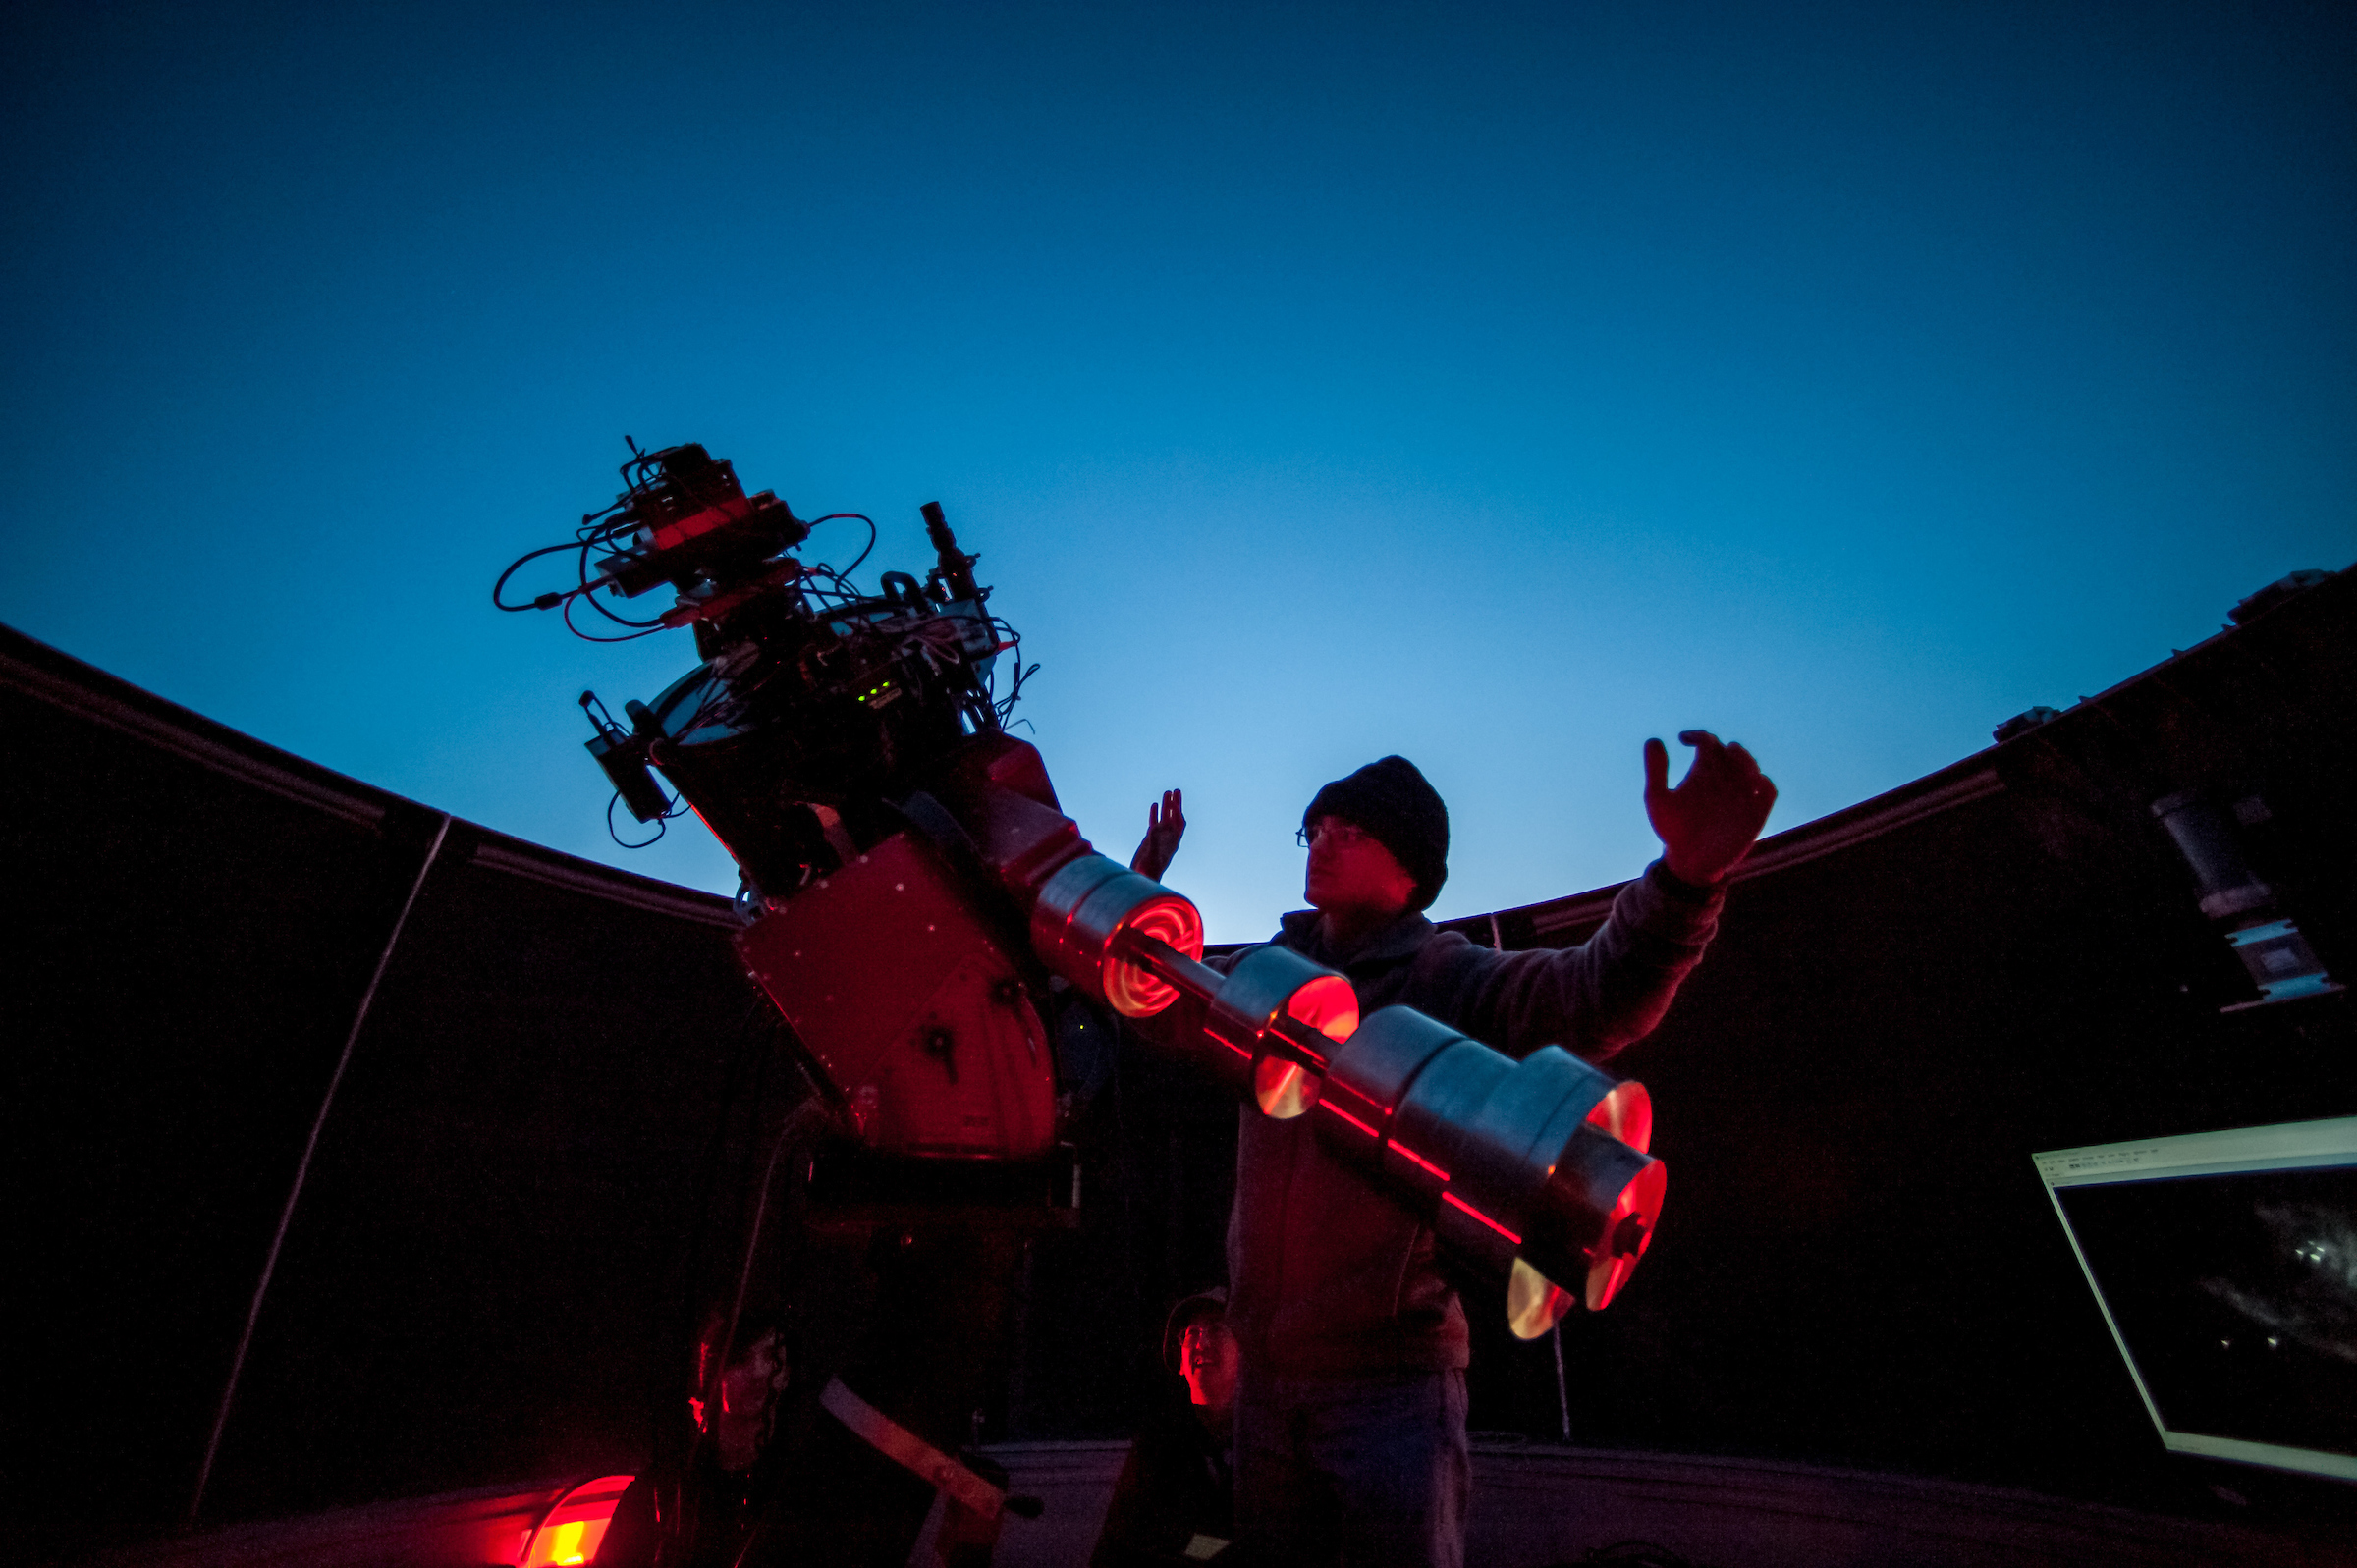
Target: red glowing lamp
(575, 1525)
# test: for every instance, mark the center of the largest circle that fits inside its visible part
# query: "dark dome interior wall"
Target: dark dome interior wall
(473, 1283)
(483, 1281)
(1858, 1263)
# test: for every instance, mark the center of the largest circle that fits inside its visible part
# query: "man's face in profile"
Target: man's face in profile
(1207, 1361)
(1349, 868)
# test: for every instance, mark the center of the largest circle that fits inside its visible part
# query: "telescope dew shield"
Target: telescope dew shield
(1089, 903)
(1602, 1188)
(1536, 1169)
(1627, 1114)
(1272, 983)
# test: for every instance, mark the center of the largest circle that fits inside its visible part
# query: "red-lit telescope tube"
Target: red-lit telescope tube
(1535, 1167)
(1088, 904)
(1133, 941)
(1271, 987)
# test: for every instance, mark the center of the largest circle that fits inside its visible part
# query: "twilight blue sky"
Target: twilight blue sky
(1496, 384)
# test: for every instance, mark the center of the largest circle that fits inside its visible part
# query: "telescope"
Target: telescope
(911, 885)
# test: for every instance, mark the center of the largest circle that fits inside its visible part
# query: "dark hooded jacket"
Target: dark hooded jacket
(1327, 1276)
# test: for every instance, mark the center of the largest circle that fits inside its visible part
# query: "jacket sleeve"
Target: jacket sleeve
(1592, 1000)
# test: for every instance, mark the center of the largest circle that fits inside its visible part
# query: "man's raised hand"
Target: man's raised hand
(1708, 823)
(1166, 825)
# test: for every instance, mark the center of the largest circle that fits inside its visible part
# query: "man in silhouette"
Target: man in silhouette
(1350, 1404)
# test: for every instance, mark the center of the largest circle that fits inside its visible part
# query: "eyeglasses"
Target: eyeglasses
(1201, 1338)
(1344, 833)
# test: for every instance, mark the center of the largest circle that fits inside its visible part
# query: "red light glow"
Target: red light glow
(1627, 1114)
(1450, 1197)
(1328, 1104)
(575, 1527)
(1641, 1198)
(735, 510)
(1130, 989)
(1417, 1159)
(1327, 1004)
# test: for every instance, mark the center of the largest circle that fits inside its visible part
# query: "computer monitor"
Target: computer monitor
(2225, 1263)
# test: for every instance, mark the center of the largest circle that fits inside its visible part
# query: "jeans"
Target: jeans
(1366, 1472)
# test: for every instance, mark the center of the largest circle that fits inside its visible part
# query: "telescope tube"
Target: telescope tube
(1536, 1169)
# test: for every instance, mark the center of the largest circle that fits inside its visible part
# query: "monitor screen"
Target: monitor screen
(2225, 1263)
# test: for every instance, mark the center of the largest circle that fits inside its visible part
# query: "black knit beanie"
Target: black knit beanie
(1393, 801)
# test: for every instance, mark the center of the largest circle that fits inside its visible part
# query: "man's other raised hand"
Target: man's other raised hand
(1708, 823)
(1166, 825)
